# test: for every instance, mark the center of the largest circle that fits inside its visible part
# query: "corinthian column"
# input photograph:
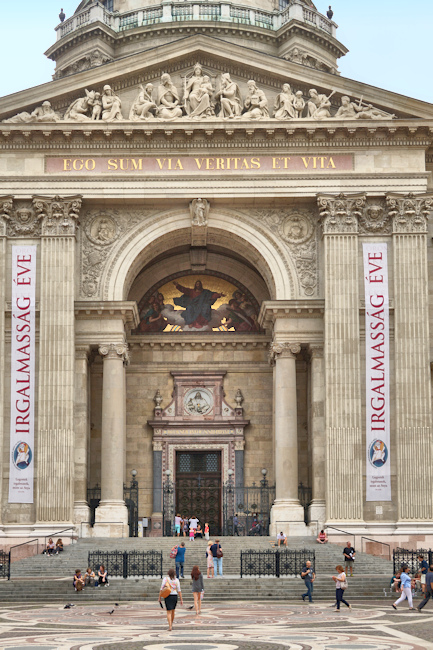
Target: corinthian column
(287, 514)
(55, 463)
(412, 360)
(345, 455)
(111, 517)
(81, 445)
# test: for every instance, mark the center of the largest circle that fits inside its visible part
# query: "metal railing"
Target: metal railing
(345, 532)
(126, 564)
(59, 532)
(410, 557)
(30, 541)
(275, 563)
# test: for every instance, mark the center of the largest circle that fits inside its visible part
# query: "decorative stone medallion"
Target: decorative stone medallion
(102, 230)
(296, 229)
(198, 401)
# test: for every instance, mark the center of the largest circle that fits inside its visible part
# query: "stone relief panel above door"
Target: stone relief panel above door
(198, 303)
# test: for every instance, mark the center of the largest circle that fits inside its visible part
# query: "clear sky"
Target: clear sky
(389, 42)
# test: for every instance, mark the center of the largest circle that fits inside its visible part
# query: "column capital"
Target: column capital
(59, 215)
(114, 351)
(82, 352)
(283, 350)
(409, 212)
(316, 350)
(340, 213)
(6, 207)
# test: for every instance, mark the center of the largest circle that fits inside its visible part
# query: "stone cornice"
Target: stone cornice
(271, 310)
(214, 134)
(206, 341)
(125, 310)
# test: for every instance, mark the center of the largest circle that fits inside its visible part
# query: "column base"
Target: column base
(111, 520)
(287, 515)
(317, 514)
(156, 525)
(81, 513)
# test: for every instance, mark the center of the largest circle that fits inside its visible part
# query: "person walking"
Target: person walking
(180, 560)
(406, 587)
(340, 586)
(171, 600)
(235, 525)
(423, 567)
(349, 558)
(217, 555)
(209, 561)
(197, 588)
(428, 588)
(177, 524)
(308, 576)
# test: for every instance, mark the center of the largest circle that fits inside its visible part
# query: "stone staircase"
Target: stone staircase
(49, 579)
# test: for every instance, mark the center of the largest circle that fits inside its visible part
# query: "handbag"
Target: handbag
(165, 591)
(219, 552)
(344, 585)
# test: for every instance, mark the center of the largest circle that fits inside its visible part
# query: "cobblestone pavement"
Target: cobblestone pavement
(225, 626)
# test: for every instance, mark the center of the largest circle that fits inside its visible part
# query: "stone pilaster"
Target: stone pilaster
(6, 206)
(111, 516)
(317, 442)
(344, 462)
(82, 434)
(55, 465)
(412, 358)
(287, 514)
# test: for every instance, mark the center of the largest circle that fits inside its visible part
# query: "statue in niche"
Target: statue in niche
(143, 107)
(199, 212)
(197, 95)
(111, 106)
(42, 113)
(85, 109)
(255, 103)
(168, 101)
(230, 98)
(319, 105)
(299, 104)
(283, 106)
(361, 111)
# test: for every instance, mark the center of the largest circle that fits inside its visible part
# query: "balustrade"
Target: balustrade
(200, 10)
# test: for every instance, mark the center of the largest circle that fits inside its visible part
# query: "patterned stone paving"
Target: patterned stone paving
(235, 626)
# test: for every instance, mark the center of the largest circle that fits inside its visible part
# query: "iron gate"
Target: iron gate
(130, 496)
(252, 506)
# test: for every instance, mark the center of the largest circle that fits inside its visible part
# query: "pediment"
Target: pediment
(216, 57)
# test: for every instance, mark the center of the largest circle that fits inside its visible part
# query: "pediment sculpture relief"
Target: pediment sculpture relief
(199, 100)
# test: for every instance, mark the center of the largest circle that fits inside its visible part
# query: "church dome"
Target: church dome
(101, 32)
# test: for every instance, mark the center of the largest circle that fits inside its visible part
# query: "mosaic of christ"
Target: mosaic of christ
(198, 304)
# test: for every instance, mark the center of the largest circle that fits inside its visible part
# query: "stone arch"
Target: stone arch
(227, 228)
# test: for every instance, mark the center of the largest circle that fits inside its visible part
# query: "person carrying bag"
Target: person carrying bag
(170, 589)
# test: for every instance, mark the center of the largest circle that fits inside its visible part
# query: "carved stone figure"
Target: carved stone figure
(42, 113)
(168, 99)
(351, 111)
(81, 109)
(199, 212)
(111, 106)
(299, 103)
(283, 106)
(297, 56)
(239, 398)
(319, 105)
(158, 399)
(143, 107)
(255, 103)
(374, 219)
(230, 98)
(197, 95)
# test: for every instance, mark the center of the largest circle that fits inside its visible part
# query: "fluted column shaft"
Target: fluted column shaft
(317, 445)
(81, 425)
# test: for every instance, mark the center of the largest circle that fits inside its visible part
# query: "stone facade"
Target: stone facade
(202, 210)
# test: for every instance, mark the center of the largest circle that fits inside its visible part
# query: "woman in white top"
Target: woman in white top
(171, 600)
(340, 585)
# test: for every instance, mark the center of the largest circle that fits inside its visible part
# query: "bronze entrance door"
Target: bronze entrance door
(198, 487)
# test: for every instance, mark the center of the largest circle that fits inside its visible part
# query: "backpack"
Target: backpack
(173, 552)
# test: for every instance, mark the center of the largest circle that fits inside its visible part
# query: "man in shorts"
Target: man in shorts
(349, 558)
(281, 539)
